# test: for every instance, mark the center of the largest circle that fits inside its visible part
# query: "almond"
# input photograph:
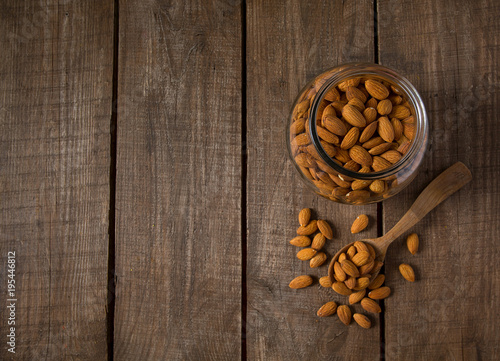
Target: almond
(353, 92)
(398, 128)
(327, 309)
(340, 192)
(377, 282)
(342, 257)
(379, 149)
(407, 272)
(370, 114)
(349, 82)
(332, 95)
(301, 108)
(358, 104)
(409, 130)
(339, 272)
(360, 223)
(349, 268)
(360, 155)
(317, 260)
(392, 156)
(350, 282)
(362, 320)
(306, 254)
(301, 139)
(367, 268)
(400, 112)
(361, 246)
(353, 116)
(301, 282)
(342, 155)
(327, 136)
(309, 229)
(361, 283)
(301, 241)
(384, 107)
(360, 184)
(304, 216)
(404, 146)
(380, 293)
(377, 186)
(325, 282)
(338, 106)
(357, 296)
(370, 305)
(358, 196)
(328, 148)
(329, 110)
(373, 142)
(376, 89)
(344, 313)
(334, 125)
(318, 241)
(350, 138)
(325, 229)
(361, 258)
(352, 166)
(380, 164)
(412, 243)
(385, 129)
(341, 289)
(371, 250)
(368, 132)
(351, 252)
(340, 182)
(372, 103)
(297, 126)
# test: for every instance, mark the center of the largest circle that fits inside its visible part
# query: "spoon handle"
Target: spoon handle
(443, 186)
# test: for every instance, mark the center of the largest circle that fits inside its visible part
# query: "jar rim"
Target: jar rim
(352, 70)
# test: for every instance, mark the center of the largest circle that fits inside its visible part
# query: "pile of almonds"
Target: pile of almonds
(364, 124)
(353, 272)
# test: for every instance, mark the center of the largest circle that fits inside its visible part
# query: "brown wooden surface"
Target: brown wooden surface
(178, 245)
(206, 198)
(300, 40)
(55, 109)
(450, 51)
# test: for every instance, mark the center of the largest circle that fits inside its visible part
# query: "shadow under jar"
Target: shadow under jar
(358, 133)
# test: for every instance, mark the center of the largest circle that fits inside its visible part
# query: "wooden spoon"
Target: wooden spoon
(443, 186)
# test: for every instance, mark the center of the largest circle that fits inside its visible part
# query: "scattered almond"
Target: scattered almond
(308, 229)
(370, 305)
(306, 254)
(344, 314)
(301, 241)
(325, 229)
(412, 243)
(325, 282)
(407, 272)
(327, 309)
(318, 241)
(380, 293)
(362, 320)
(317, 260)
(360, 223)
(301, 282)
(357, 296)
(304, 216)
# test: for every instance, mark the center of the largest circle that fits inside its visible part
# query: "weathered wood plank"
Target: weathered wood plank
(289, 42)
(178, 245)
(450, 51)
(55, 110)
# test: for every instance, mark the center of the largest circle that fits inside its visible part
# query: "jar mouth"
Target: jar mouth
(353, 70)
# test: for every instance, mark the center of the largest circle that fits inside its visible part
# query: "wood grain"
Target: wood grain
(178, 245)
(288, 43)
(55, 110)
(450, 51)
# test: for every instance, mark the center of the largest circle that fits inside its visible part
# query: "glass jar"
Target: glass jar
(337, 150)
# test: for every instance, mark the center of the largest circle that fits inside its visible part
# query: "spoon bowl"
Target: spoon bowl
(443, 186)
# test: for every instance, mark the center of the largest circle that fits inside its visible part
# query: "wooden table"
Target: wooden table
(147, 195)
